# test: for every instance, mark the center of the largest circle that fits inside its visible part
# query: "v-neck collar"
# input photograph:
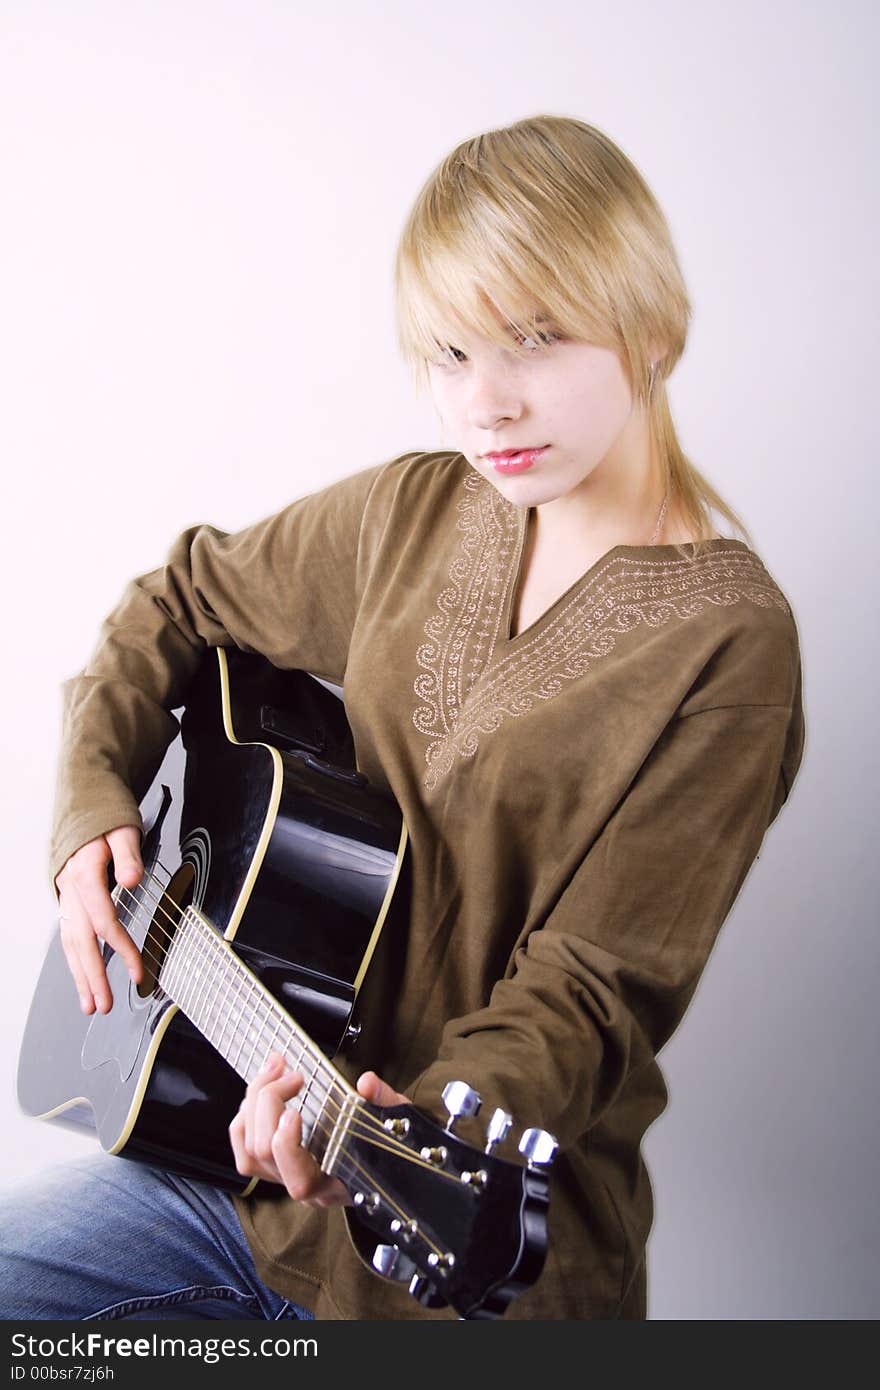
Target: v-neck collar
(506, 642)
(473, 676)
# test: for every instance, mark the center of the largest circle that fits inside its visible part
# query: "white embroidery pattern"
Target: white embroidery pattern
(625, 591)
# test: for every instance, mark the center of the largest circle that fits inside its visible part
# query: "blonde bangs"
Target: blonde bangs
(464, 293)
(487, 250)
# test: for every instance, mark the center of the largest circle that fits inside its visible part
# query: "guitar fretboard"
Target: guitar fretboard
(244, 1022)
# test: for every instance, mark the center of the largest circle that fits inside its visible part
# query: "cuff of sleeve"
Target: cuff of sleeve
(86, 827)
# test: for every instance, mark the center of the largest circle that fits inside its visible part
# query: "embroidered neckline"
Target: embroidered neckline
(475, 676)
(649, 551)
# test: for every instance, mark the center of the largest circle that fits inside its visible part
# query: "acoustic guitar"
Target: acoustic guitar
(270, 867)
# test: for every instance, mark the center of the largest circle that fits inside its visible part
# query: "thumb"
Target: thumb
(125, 846)
(374, 1089)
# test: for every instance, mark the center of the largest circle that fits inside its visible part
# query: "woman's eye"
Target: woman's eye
(452, 356)
(536, 340)
(447, 357)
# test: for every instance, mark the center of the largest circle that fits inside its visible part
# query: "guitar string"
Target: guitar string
(350, 1167)
(364, 1122)
(241, 976)
(360, 1123)
(276, 1014)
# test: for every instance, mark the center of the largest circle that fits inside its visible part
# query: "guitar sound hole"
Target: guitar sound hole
(176, 897)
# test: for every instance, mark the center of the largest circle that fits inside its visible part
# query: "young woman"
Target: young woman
(586, 701)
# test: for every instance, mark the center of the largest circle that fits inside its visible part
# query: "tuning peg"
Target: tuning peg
(539, 1147)
(391, 1262)
(425, 1293)
(498, 1129)
(460, 1100)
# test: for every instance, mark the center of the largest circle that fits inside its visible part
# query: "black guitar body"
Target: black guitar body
(259, 817)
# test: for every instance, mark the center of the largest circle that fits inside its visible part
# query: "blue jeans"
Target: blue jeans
(104, 1237)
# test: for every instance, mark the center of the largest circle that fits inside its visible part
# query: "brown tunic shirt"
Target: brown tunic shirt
(584, 801)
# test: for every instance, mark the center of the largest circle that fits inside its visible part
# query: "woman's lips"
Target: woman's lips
(515, 462)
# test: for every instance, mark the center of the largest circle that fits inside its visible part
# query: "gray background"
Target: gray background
(201, 203)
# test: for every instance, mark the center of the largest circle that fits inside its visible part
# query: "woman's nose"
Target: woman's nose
(494, 395)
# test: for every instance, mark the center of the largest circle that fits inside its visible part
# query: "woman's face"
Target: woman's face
(567, 397)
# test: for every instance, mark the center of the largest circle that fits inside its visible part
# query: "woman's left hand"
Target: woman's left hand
(266, 1135)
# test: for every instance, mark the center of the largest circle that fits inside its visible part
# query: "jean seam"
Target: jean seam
(189, 1294)
(287, 1310)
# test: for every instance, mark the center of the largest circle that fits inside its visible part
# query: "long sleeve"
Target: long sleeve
(599, 988)
(286, 587)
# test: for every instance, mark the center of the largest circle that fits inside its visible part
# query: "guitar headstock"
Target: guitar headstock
(455, 1223)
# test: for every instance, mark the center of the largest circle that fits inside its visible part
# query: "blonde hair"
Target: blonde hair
(548, 216)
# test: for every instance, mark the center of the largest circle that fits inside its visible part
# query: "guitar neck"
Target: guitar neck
(244, 1022)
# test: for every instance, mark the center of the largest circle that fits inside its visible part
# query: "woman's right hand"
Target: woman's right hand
(88, 913)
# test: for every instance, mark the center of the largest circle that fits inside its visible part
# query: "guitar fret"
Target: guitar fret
(316, 1123)
(196, 1000)
(245, 1023)
(241, 1022)
(199, 977)
(170, 974)
(181, 956)
(166, 969)
(306, 1096)
(273, 1044)
(231, 1016)
(239, 977)
(209, 1000)
(236, 1039)
(203, 980)
(230, 975)
(186, 981)
(255, 1030)
(219, 1040)
(250, 1070)
(207, 1014)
